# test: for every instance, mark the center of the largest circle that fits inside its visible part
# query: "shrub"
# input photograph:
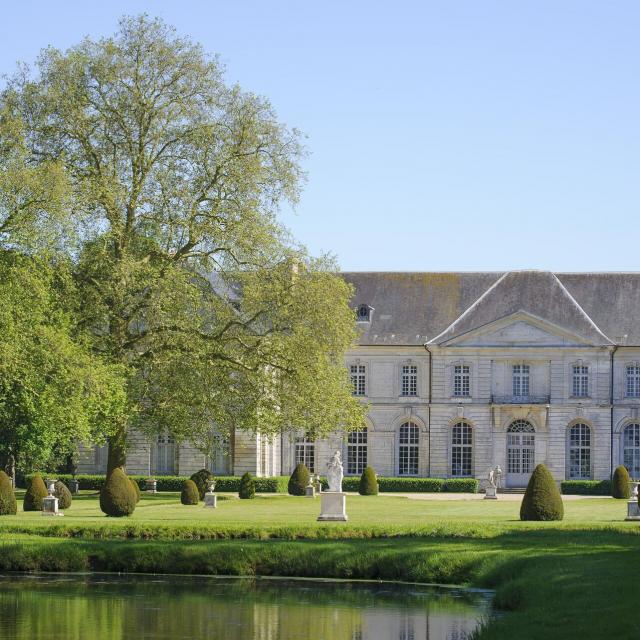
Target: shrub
(298, 481)
(136, 489)
(117, 497)
(368, 483)
(189, 493)
(63, 494)
(620, 487)
(585, 487)
(36, 491)
(8, 504)
(247, 487)
(542, 500)
(201, 479)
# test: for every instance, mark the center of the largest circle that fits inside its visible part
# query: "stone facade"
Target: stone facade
(463, 372)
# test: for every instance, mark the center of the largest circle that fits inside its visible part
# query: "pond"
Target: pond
(106, 606)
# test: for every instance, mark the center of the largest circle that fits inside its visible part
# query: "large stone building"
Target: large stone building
(463, 371)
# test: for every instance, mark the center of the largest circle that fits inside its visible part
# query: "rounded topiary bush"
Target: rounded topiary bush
(201, 478)
(8, 504)
(542, 499)
(299, 480)
(368, 483)
(63, 494)
(620, 487)
(136, 489)
(189, 493)
(117, 496)
(36, 491)
(247, 487)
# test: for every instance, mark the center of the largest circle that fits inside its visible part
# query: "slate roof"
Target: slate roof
(414, 308)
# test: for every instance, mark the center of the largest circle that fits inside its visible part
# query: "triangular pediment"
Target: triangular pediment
(543, 302)
(518, 330)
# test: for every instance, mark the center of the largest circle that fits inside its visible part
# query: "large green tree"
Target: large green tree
(188, 282)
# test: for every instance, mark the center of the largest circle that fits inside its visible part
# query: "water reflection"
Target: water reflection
(106, 607)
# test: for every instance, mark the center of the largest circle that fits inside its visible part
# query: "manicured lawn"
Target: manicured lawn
(572, 579)
(392, 512)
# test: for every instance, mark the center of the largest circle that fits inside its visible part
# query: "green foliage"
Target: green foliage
(247, 487)
(136, 489)
(201, 479)
(54, 393)
(542, 500)
(189, 493)
(117, 497)
(36, 491)
(413, 485)
(298, 481)
(63, 494)
(368, 483)
(8, 504)
(160, 276)
(586, 487)
(620, 483)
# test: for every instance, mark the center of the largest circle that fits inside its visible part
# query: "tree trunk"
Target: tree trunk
(117, 456)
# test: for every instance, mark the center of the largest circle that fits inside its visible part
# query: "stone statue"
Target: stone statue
(335, 473)
(494, 477)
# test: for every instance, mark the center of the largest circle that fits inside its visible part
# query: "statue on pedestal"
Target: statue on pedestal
(335, 473)
(495, 474)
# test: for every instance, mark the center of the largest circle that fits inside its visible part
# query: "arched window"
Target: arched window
(408, 442)
(631, 449)
(306, 453)
(356, 452)
(521, 440)
(579, 452)
(165, 455)
(363, 313)
(461, 450)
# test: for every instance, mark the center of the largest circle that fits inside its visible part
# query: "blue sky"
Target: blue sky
(443, 136)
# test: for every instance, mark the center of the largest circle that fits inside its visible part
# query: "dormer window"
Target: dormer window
(363, 313)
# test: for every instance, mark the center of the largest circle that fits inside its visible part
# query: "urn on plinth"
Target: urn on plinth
(50, 503)
(210, 498)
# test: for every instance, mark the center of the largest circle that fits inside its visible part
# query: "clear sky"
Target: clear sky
(468, 135)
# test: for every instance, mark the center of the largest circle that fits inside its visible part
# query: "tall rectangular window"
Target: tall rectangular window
(521, 380)
(633, 381)
(461, 380)
(580, 381)
(358, 379)
(306, 453)
(409, 380)
(356, 452)
(408, 449)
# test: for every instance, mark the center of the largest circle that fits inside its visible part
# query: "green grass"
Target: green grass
(573, 579)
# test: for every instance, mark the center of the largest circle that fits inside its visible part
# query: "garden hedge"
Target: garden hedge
(585, 487)
(279, 484)
(542, 500)
(117, 496)
(247, 489)
(201, 480)
(63, 494)
(8, 503)
(620, 487)
(189, 494)
(368, 483)
(298, 481)
(36, 492)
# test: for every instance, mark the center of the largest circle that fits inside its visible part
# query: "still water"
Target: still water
(108, 607)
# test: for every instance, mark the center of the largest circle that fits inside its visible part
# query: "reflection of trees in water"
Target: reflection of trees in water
(115, 608)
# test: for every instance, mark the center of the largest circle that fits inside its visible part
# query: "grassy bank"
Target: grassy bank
(573, 579)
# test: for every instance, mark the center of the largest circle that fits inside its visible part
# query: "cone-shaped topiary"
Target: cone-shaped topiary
(189, 493)
(542, 500)
(117, 496)
(201, 478)
(8, 504)
(247, 487)
(36, 491)
(299, 480)
(368, 482)
(136, 489)
(620, 487)
(63, 494)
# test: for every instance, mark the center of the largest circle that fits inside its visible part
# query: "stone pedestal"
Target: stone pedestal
(150, 485)
(211, 500)
(333, 506)
(50, 506)
(311, 491)
(74, 486)
(633, 510)
(491, 493)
